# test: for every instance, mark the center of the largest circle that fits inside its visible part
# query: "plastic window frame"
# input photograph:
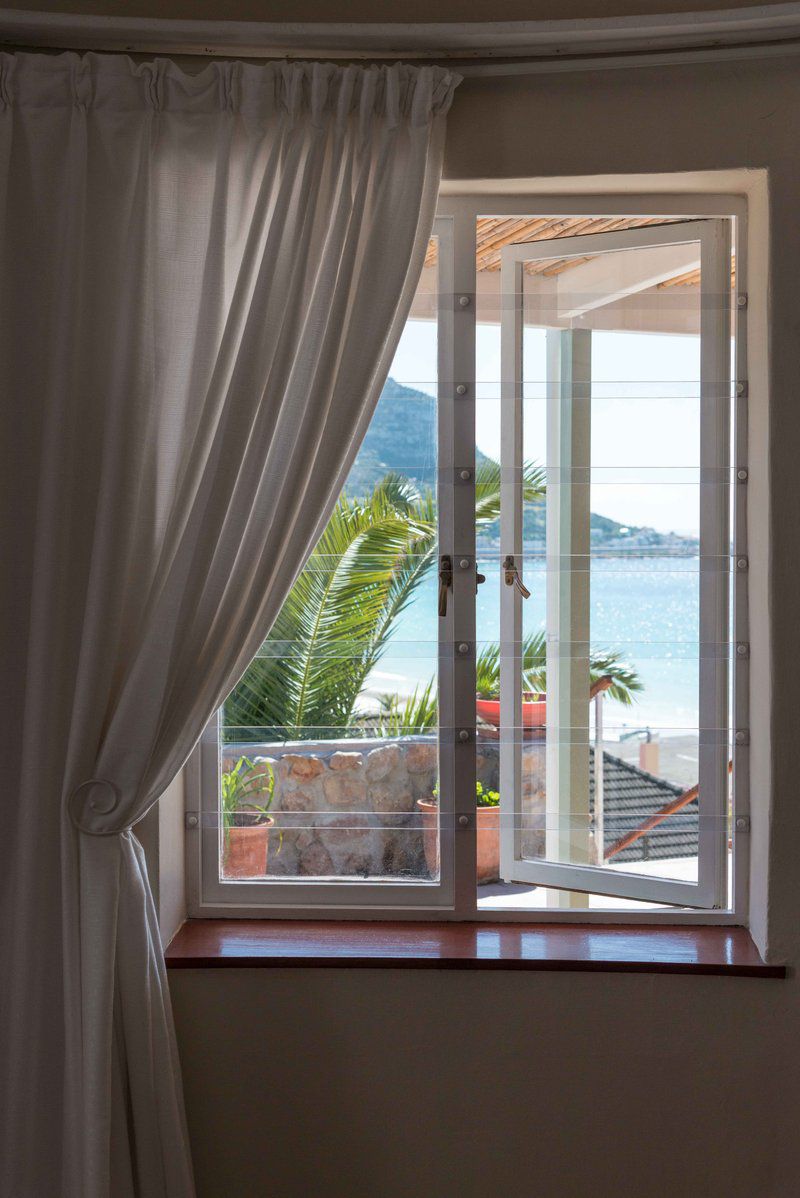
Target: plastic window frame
(455, 897)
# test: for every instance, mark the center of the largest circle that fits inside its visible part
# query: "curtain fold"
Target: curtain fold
(203, 279)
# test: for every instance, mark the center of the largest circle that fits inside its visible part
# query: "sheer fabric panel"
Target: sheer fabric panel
(202, 282)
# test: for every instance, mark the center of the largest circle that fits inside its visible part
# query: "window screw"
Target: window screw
(463, 821)
(741, 301)
(741, 475)
(463, 301)
(742, 824)
(741, 737)
(740, 388)
(463, 647)
(461, 389)
(741, 563)
(465, 474)
(192, 820)
(463, 736)
(464, 563)
(741, 650)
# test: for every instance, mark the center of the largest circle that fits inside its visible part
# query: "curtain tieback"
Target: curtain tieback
(92, 807)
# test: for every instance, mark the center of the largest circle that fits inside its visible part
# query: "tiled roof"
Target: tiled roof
(630, 796)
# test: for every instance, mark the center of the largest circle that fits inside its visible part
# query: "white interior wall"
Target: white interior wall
(171, 865)
(384, 1083)
(161, 834)
(401, 1084)
(451, 1085)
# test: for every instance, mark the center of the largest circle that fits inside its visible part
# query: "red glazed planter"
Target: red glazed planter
(534, 713)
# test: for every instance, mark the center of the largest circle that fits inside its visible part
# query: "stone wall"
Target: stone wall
(349, 808)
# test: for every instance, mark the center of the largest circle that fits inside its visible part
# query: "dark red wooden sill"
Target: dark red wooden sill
(593, 948)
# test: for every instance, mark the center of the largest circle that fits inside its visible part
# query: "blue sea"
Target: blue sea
(648, 608)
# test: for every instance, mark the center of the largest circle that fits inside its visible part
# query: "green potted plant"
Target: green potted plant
(607, 667)
(246, 791)
(487, 821)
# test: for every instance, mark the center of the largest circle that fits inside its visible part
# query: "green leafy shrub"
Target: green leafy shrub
(486, 798)
(483, 796)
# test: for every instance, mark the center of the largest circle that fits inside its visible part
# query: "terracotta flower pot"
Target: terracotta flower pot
(534, 712)
(488, 840)
(245, 853)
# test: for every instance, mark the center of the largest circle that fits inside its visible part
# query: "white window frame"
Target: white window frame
(455, 897)
(343, 898)
(713, 239)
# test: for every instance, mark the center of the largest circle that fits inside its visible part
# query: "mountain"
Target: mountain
(402, 438)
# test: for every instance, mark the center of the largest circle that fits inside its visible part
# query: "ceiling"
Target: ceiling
(375, 10)
(495, 232)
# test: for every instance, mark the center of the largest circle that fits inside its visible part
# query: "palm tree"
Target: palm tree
(602, 664)
(336, 623)
(337, 620)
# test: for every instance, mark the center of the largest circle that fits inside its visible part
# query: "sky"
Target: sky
(645, 415)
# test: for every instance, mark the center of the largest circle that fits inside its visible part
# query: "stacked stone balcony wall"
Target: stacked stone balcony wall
(349, 808)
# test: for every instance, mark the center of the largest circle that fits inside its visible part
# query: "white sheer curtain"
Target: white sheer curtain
(202, 283)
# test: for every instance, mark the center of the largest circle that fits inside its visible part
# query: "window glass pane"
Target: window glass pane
(328, 756)
(619, 419)
(609, 477)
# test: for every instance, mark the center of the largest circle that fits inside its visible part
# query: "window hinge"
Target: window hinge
(192, 819)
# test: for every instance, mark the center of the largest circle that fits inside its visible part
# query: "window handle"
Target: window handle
(512, 577)
(479, 578)
(445, 581)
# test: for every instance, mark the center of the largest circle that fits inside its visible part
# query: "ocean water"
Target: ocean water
(647, 608)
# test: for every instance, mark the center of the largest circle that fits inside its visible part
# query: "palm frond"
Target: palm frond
(309, 671)
(338, 619)
(488, 477)
(487, 672)
(409, 717)
(602, 664)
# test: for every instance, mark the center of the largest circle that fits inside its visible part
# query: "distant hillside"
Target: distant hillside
(402, 438)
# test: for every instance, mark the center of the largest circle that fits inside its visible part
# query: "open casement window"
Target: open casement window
(563, 301)
(504, 680)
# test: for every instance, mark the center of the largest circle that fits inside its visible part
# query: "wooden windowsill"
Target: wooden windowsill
(587, 948)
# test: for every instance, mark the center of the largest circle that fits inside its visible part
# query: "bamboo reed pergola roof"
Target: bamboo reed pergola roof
(495, 232)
